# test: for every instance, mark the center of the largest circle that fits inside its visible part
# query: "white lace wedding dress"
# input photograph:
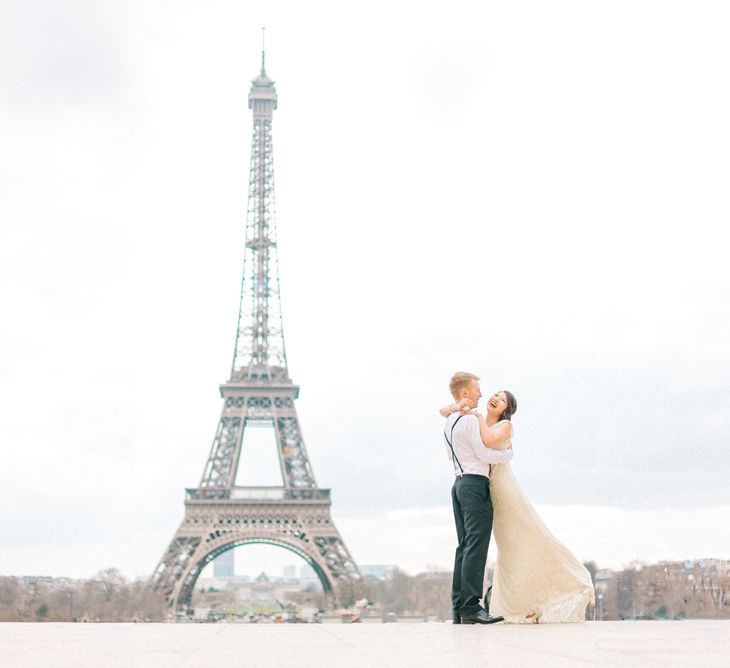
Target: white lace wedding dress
(537, 579)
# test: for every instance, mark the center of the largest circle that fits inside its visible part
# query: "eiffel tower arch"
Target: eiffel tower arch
(220, 515)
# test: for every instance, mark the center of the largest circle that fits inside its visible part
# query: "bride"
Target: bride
(537, 579)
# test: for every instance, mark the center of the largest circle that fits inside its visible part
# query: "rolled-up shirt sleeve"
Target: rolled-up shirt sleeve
(483, 453)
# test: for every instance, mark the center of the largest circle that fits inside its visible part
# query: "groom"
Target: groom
(471, 501)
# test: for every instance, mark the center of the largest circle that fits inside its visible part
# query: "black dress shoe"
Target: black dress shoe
(456, 618)
(481, 617)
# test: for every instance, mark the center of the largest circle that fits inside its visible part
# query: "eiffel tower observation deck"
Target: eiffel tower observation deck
(220, 515)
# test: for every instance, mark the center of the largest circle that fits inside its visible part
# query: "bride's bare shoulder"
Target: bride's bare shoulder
(504, 426)
(504, 430)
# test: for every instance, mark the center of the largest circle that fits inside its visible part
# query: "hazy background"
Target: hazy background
(535, 192)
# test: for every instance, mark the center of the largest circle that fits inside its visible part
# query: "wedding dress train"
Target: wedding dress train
(537, 579)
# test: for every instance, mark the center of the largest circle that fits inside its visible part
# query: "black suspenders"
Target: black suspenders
(454, 458)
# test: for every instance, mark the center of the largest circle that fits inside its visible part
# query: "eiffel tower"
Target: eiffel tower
(219, 515)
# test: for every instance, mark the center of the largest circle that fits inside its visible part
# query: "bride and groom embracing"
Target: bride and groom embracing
(537, 579)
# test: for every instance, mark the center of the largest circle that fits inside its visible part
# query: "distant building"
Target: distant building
(224, 565)
(378, 571)
(36, 579)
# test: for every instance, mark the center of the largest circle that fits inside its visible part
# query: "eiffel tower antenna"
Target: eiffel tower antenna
(220, 515)
(263, 50)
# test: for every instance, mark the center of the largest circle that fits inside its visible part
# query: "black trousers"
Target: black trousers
(473, 516)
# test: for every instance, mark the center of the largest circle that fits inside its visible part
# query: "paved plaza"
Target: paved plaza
(402, 645)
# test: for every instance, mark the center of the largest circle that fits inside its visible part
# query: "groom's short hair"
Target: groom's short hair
(460, 380)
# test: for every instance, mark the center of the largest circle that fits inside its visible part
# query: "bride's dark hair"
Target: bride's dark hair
(511, 406)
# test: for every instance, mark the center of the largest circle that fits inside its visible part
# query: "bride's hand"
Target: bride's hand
(463, 405)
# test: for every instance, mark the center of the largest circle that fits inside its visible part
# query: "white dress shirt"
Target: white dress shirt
(472, 454)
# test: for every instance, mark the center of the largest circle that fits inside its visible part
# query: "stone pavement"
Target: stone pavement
(401, 645)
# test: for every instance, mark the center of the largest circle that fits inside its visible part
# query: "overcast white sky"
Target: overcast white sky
(536, 192)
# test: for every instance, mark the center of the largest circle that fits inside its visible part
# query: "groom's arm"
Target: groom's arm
(492, 456)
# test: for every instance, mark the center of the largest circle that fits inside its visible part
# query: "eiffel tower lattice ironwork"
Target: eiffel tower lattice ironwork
(219, 515)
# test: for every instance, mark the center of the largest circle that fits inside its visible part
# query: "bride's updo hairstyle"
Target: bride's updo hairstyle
(511, 406)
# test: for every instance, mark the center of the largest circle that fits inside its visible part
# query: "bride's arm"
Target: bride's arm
(493, 437)
(453, 408)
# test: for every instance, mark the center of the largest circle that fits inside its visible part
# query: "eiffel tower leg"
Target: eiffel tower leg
(173, 565)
